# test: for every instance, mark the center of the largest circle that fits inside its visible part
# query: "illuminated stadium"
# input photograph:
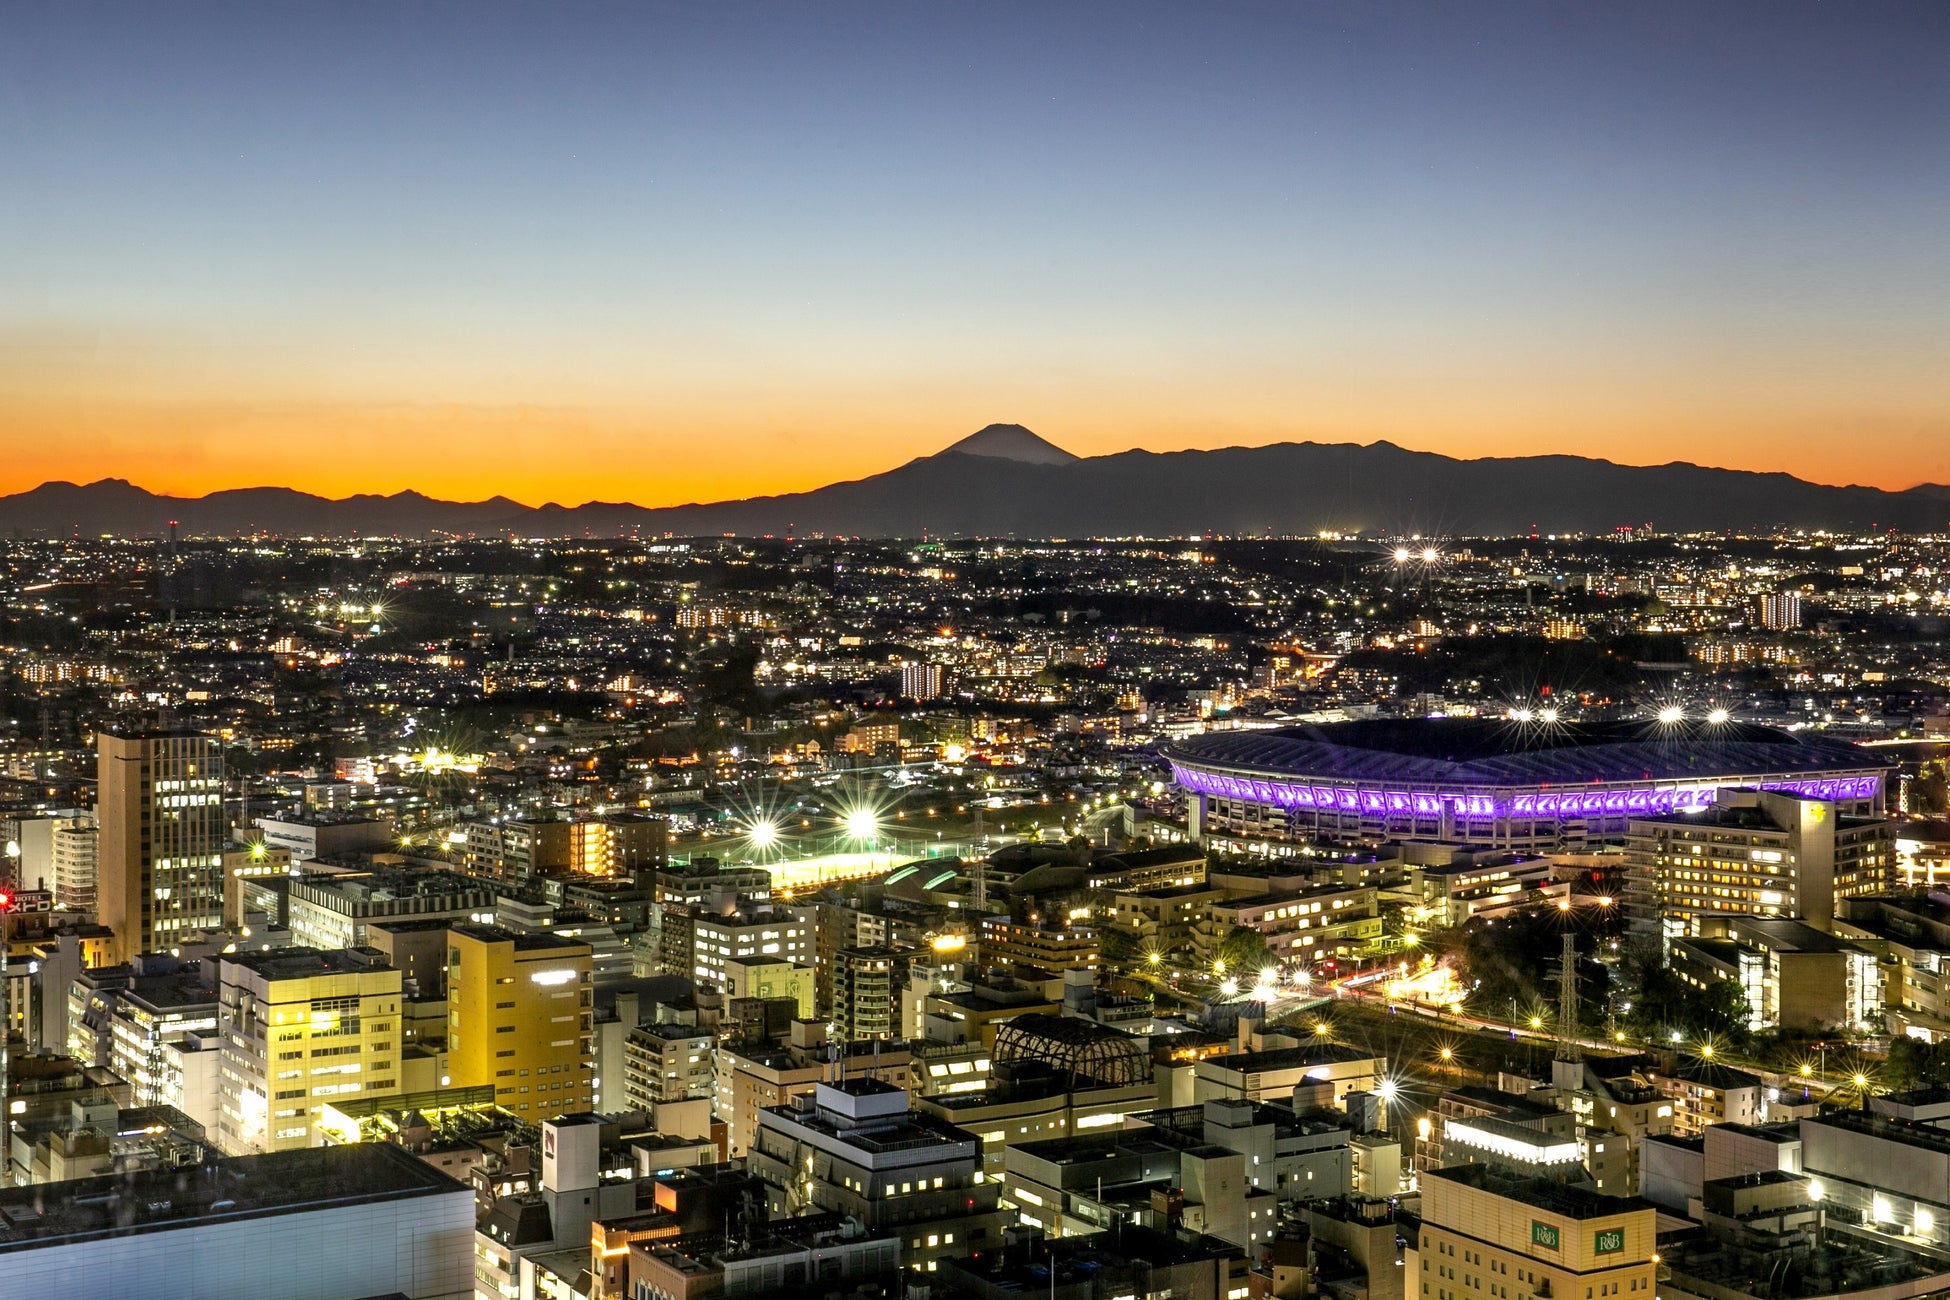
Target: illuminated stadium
(1497, 782)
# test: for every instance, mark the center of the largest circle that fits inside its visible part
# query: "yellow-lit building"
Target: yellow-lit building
(618, 846)
(1488, 1234)
(299, 1027)
(520, 1016)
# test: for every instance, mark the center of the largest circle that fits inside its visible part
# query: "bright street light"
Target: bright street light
(1718, 716)
(1672, 713)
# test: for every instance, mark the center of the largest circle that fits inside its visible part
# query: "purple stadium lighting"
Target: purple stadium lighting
(1651, 800)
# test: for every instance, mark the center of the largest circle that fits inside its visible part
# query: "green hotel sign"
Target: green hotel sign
(1542, 1234)
(1608, 1242)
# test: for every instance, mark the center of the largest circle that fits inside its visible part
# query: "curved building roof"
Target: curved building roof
(1499, 752)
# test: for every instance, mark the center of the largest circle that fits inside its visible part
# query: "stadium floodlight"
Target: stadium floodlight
(764, 834)
(1672, 713)
(1718, 716)
(862, 823)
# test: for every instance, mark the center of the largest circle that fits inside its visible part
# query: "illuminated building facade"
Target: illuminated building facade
(296, 1028)
(521, 1016)
(855, 1148)
(73, 845)
(159, 858)
(1762, 853)
(1486, 1231)
(1499, 783)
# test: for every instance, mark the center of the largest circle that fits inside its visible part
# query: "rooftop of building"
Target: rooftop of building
(1788, 935)
(1076, 1260)
(1495, 751)
(1741, 817)
(909, 1130)
(321, 817)
(1289, 1058)
(381, 883)
(220, 1190)
(523, 940)
(413, 924)
(304, 963)
(1571, 1201)
(1189, 1121)
(1512, 1104)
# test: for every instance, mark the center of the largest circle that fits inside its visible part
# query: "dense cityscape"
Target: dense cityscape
(1351, 916)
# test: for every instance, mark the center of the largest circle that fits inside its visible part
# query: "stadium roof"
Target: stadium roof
(1486, 751)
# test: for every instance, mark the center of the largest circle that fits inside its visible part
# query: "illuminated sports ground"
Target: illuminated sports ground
(1501, 782)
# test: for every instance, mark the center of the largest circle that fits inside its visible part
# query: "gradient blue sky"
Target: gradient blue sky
(671, 252)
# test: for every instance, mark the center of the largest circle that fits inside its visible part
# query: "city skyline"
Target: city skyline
(671, 255)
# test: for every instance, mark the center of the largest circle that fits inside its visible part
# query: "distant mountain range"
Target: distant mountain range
(1005, 480)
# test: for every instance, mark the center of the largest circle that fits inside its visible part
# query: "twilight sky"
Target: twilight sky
(668, 252)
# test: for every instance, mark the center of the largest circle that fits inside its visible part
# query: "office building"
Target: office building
(521, 1012)
(720, 938)
(855, 1148)
(751, 1078)
(1135, 1261)
(1222, 1169)
(1487, 1231)
(159, 857)
(1792, 975)
(296, 1028)
(324, 1224)
(327, 834)
(331, 909)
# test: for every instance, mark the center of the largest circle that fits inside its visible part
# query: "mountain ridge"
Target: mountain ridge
(1005, 479)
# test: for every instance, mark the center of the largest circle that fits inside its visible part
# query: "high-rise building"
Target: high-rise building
(298, 1027)
(1764, 853)
(521, 1016)
(159, 860)
(921, 681)
(1780, 611)
(74, 853)
(864, 1002)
